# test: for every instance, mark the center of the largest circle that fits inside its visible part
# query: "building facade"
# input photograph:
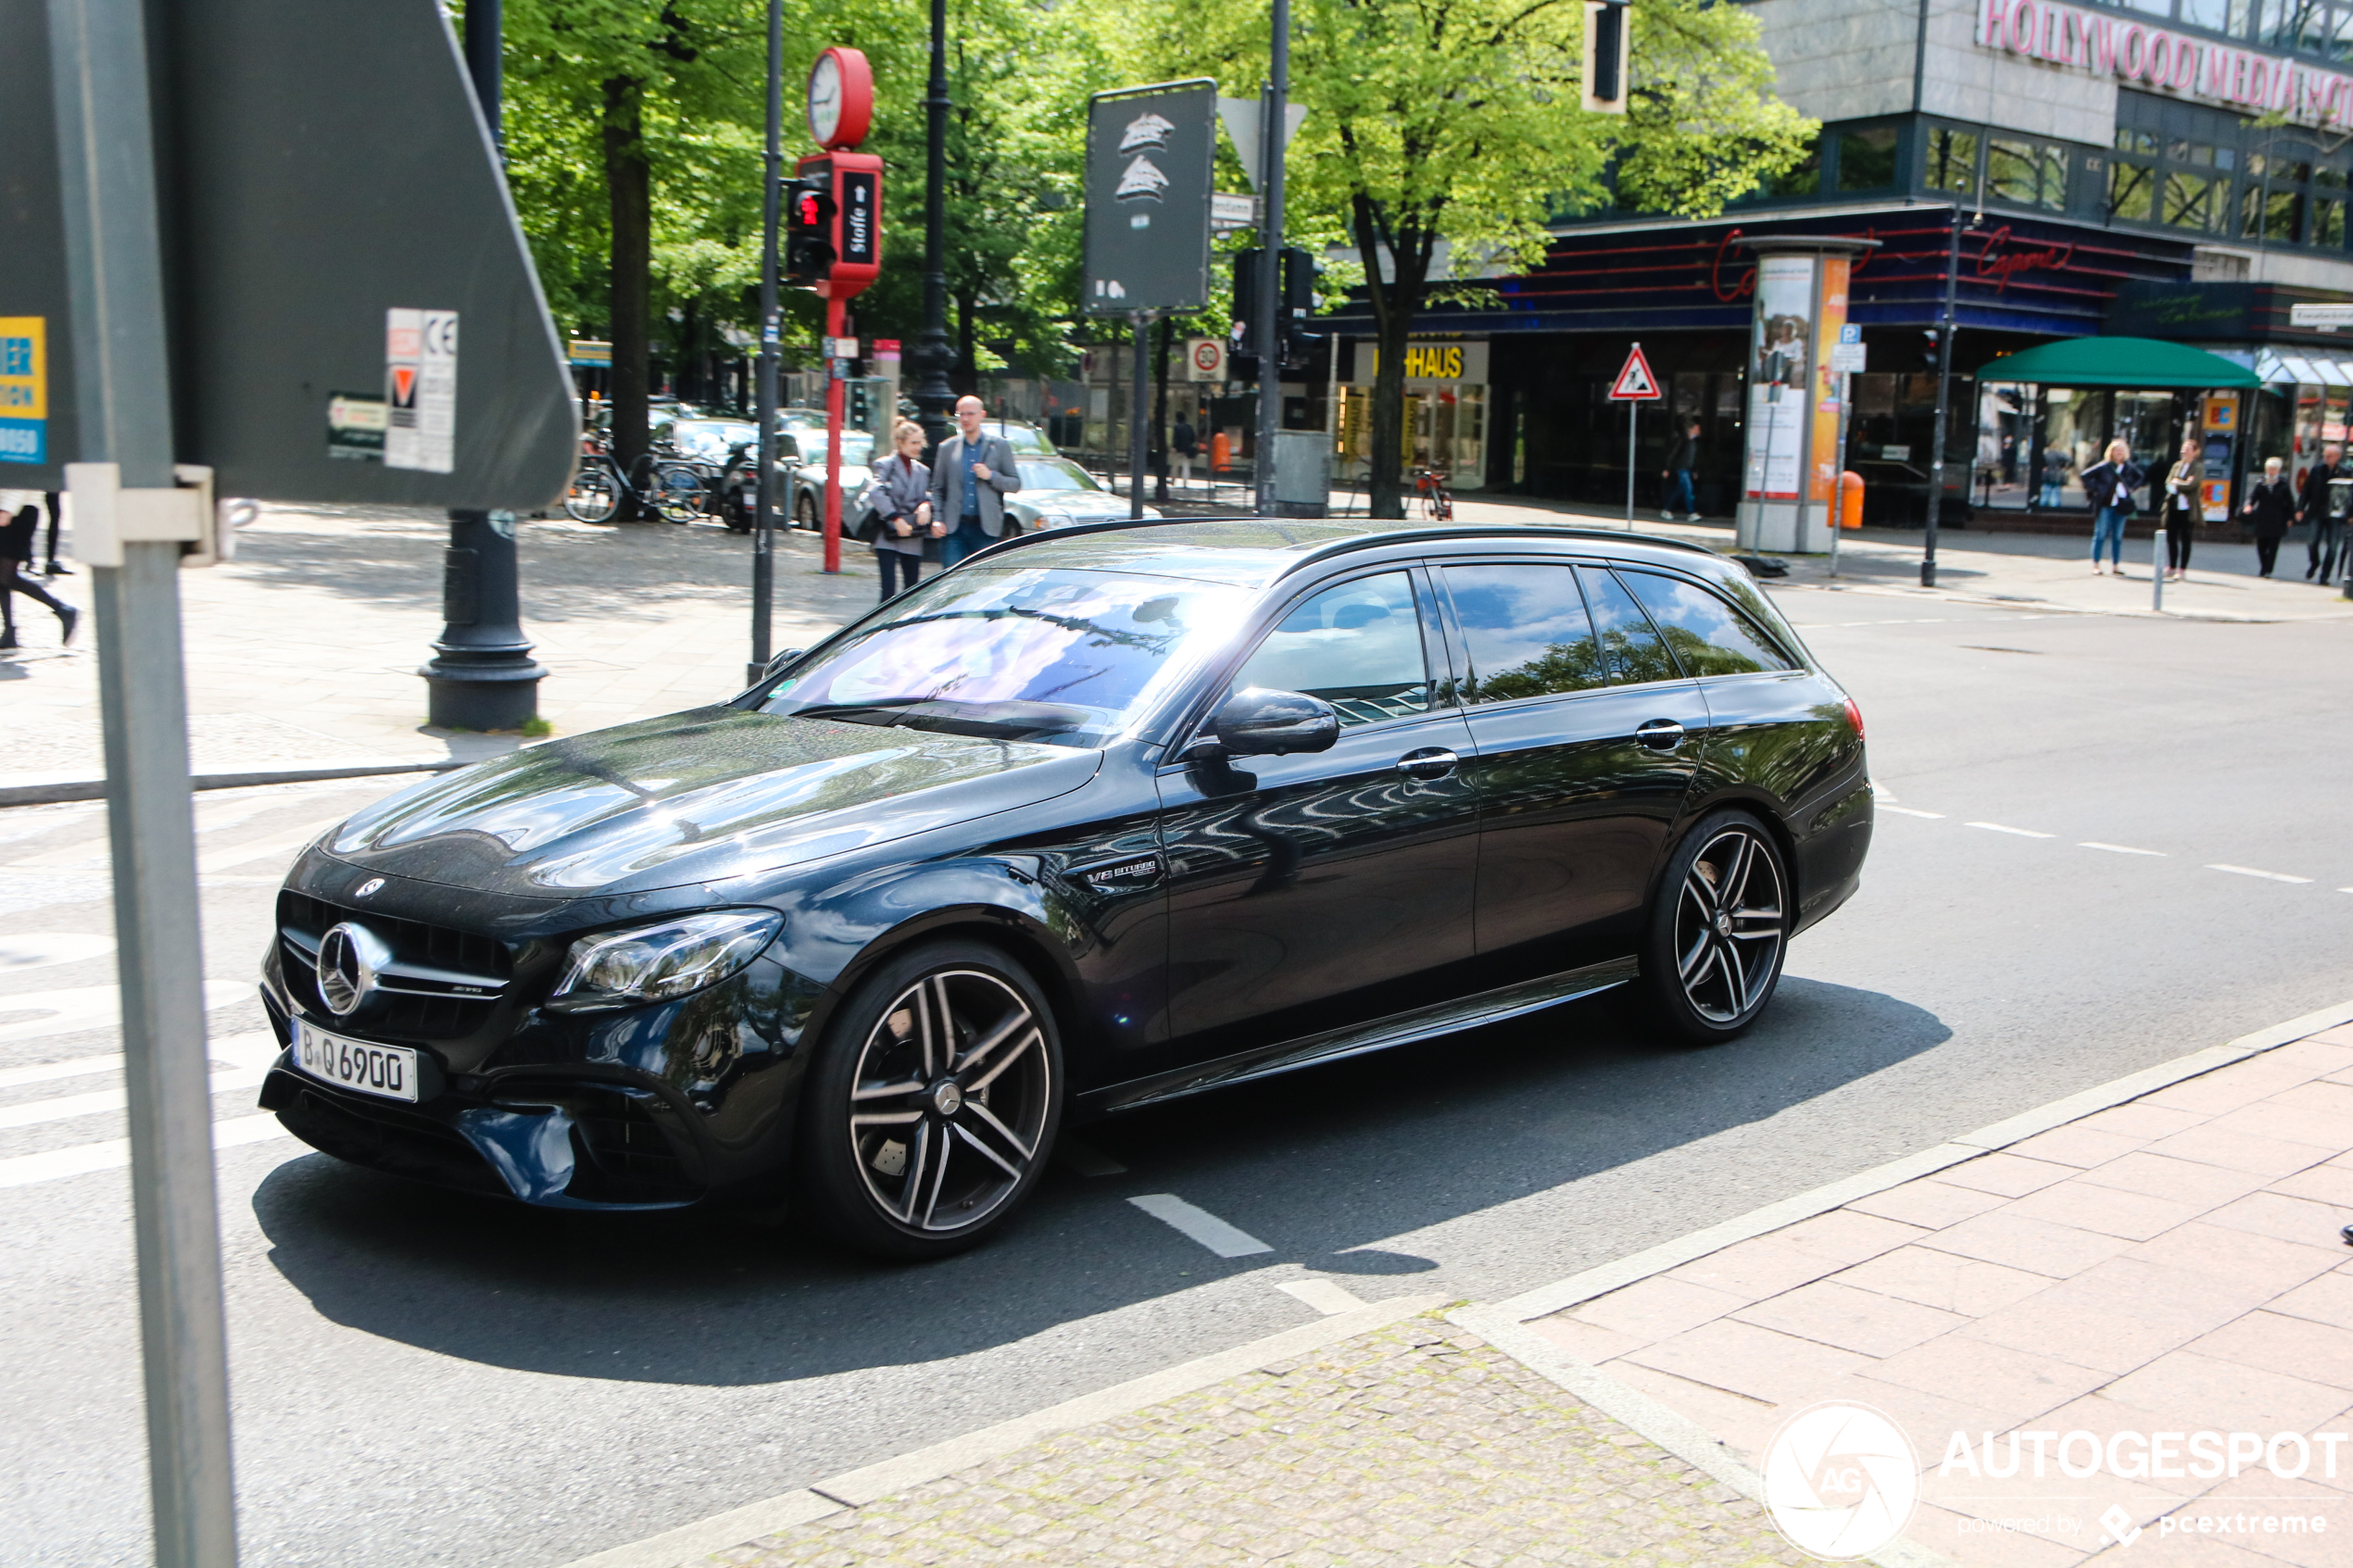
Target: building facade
(2173, 168)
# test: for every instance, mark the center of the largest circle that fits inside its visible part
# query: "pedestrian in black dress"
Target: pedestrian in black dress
(17, 524)
(2271, 507)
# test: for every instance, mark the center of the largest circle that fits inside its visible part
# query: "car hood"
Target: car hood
(695, 797)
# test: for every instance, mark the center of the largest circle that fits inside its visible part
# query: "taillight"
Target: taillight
(1855, 717)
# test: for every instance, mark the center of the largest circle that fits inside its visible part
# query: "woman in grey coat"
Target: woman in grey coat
(901, 496)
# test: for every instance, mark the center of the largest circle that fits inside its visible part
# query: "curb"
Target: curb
(96, 789)
(854, 1489)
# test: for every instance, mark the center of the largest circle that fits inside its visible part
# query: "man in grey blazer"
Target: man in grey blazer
(971, 476)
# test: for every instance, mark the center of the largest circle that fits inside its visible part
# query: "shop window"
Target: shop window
(1952, 162)
(2328, 223)
(2132, 191)
(2197, 201)
(1867, 158)
(2028, 173)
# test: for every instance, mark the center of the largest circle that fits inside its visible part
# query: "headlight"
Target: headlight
(1054, 519)
(655, 964)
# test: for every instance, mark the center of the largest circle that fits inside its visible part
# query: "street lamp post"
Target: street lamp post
(763, 530)
(933, 394)
(481, 675)
(1944, 400)
(1269, 327)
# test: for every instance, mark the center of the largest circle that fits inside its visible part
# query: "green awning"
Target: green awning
(2120, 361)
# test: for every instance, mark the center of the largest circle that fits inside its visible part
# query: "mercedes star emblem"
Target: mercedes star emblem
(350, 956)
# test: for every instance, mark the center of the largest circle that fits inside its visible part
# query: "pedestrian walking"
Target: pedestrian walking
(19, 518)
(2184, 501)
(899, 503)
(2108, 485)
(57, 514)
(2056, 463)
(969, 487)
(2328, 495)
(1682, 466)
(1184, 442)
(2271, 506)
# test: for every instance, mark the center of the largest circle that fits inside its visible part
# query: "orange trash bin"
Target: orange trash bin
(1850, 500)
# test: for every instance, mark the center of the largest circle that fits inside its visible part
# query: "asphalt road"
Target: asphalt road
(421, 1379)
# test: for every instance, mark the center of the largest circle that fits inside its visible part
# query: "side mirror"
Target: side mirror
(776, 665)
(1258, 723)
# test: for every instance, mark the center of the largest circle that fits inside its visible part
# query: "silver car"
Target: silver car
(1056, 493)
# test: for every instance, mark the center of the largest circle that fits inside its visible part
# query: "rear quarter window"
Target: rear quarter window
(1708, 635)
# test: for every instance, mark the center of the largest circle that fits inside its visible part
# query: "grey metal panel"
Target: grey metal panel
(1150, 159)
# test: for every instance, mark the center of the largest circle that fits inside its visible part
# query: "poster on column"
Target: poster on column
(1826, 329)
(1777, 376)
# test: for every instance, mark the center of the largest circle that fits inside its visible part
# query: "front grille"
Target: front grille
(405, 1012)
(385, 1139)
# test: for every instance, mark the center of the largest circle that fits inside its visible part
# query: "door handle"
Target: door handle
(1430, 762)
(1660, 734)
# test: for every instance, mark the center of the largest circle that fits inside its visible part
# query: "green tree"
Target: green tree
(1452, 130)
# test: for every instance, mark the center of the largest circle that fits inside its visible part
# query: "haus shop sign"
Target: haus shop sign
(2133, 51)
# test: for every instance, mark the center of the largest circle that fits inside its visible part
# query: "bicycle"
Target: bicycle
(1430, 489)
(674, 490)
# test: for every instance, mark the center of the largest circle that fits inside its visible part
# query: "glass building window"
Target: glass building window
(2327, 224)
(2282, 211)
(2131, 141)
(2028, 173)
(1952, 162)
(2197, 201)
(1806, 180)
(2214, 15)
(2132, 191)
(1867, 158)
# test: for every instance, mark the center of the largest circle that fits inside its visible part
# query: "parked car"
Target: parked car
(704, 440)
(1101, 818)
(1025, 440)
(1056, 493)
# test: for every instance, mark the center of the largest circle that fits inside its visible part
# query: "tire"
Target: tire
(1715, 942)
(805, 513)
(593, 497)
(678, 493)
(913, 1147)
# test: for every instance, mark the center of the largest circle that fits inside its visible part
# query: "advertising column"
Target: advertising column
(1788, 487)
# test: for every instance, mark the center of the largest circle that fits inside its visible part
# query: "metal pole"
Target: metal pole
(1137, 384)
(2156, 564)
(764, 506)
(933, 394)
(106, 146)
(835, 366)
(1838, 482)
(1633, 410)
(1270, 261)
(1943, 402)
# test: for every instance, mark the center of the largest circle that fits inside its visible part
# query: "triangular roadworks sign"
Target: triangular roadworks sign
(1635, 384)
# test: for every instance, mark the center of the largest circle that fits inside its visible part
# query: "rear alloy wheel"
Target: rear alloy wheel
(933, 1105)
(1719, 932)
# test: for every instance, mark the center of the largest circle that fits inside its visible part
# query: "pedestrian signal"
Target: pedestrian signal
(809, 227)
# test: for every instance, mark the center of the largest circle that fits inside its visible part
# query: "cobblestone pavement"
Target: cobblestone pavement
(1415, 1444)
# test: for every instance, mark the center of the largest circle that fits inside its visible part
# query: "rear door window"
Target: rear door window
(1631, 649)
(1708, 635)
(1525, 629)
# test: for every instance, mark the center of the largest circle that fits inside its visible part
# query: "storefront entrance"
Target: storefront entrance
(1445, 413)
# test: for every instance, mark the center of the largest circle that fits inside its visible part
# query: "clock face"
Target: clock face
(824, 99)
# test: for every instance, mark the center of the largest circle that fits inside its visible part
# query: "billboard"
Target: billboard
(1150, 152)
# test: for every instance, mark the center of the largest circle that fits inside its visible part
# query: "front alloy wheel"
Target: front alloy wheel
(1720, 931)
(942, 1110)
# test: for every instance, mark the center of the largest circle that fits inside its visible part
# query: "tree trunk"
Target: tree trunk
(629, 183)
(1159, 438)
(1395, 304)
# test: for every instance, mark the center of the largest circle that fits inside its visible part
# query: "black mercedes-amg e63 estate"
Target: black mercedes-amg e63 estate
(1102, 817)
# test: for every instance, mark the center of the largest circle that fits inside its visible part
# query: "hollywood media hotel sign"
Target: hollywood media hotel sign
(2133, 51)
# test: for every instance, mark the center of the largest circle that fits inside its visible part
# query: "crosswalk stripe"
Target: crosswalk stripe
(114, 1154)
(65, 1107)
(92, 1006)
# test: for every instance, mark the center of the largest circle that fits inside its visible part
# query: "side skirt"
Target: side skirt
(1423, 1023)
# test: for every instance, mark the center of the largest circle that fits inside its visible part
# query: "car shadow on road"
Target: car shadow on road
(1324, 1164)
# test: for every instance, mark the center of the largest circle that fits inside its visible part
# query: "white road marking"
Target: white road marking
(254, 1048)
(2119, 848)
(1327, 1296)
(65, 1107)
(1201, 1225)
(42, 1073)
(1086, 1159)
(1909, 811)
(92, 1007)
(281, 847)
(2023, 833)
(2250, 871)
(113, 1154)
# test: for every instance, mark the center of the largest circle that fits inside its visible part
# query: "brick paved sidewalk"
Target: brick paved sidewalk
(2169, 1267)
(1415, 1443)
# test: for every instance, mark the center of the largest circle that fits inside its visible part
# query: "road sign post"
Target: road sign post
(1634, 386)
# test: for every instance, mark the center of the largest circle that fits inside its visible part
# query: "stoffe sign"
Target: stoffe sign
(1635, 384)
(1148, 159)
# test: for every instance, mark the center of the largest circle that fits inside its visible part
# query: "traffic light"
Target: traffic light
(1930, 340)
(1297, 304)
(1241, 359)
(809, 227)
(1606, 56)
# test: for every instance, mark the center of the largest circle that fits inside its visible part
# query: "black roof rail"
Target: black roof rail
(1365, 540)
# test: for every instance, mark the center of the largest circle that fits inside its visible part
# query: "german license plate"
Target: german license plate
(389, 1070)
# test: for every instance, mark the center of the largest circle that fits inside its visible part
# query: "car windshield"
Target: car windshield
(1023, 439)
(710, 438)
(1062, 657)
(1042, 473)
